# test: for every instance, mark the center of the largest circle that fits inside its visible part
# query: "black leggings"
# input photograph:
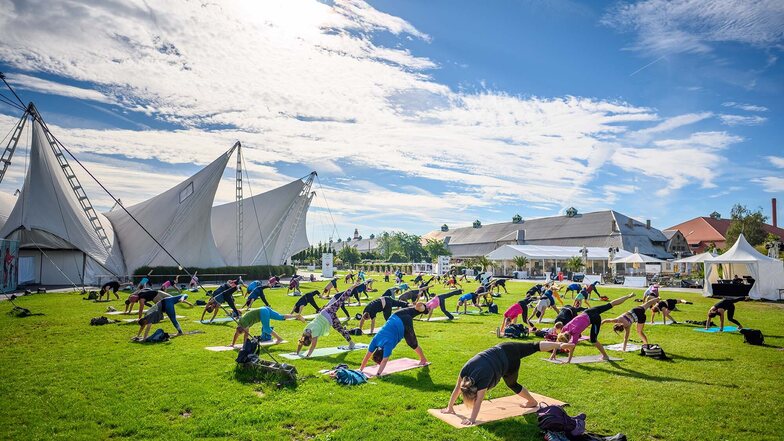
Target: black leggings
(300, 304)
(728, 305)
(595, 314)
(442, 302)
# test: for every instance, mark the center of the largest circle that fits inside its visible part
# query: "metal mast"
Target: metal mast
(306, 196)
(239, 199)
(12, 143)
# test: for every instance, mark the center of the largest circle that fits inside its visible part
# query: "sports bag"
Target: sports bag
(753, 336)
(157, 337)
(350, 377)
(492, 308)
(355, 331)
(555, 419)
(653, 350)
(98, 321)
(249, 348)
(515, 331)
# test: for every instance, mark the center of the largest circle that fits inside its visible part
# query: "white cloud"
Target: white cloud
(777, 161)
(741, 120)
(694, 26)
(710, 140)
(670, 124)
(27, 82)
(771, 184)
(746, 107)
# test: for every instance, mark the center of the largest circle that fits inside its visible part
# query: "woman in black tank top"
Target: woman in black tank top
(624, 322)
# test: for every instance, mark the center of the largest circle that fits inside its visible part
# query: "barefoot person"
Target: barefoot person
(383, 305)
(113, 285)
(624, 322)
(263, 315)
(399, 326)
(255, 291)
(332, 284)
(319, 326)
(592, 318)
(439, 301)
(144, 297)
(304, 300)
(516, 310)
(726, 305)
(487, 368)
(224, 293)
(666, 307)
(155, 314)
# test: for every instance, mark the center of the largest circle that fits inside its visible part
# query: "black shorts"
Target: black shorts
(411, 338)
(639, 313)
(595, 314)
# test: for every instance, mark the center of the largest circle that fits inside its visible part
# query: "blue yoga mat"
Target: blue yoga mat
(217, 320)
(715, 329)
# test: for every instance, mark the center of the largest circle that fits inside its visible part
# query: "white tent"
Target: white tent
(273, 225)
(638, 258)
(743, 260)
(7, 203)
(178, 218)
(538, 252)
(52, 227)
(697, 258)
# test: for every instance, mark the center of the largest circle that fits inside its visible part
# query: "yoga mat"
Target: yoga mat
(469, 313)
(322, 352)
(393, 366)
(238, 347)
(354, 304)
(294, 294)
(582, 360)
(131, 320)
(217, 320)
(118, 313)
(436, 319)
(367, 331)
(618, 347)
(312, 316)
(493, 410)
(187, 333)
(660, 324)
(544, 320)
(715, 329)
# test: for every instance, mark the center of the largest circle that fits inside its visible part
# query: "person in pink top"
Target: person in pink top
(516, 310)
(592, 318)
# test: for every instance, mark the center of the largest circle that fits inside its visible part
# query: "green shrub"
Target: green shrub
(248, 273)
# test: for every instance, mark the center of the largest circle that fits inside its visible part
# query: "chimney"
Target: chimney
(648, 224)
(775, 221)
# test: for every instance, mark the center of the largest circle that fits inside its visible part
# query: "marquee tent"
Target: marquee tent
(743, 260)
(637, 258)
(548, 252)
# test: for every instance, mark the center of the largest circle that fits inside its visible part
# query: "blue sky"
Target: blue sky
(418, 113)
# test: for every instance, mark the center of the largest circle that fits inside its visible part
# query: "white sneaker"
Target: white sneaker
(351, 346)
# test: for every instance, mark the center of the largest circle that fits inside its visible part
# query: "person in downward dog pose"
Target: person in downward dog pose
(399, 326)
(332, 284)
(144, 297)
(623, 323)
(487, 368)
(224, 293)
(463, 301)
(391, 292)
(155, 314)
(263, 315)
(573, 289)
(726, 305)
(319, 326)
(383, 305)
(112, 286)
(516, 310)
(497, 284)
(293, 284)
(571, 332)
(357, 289)
(255, 291)
(304, 300)
(666, 307)
(171, 284)
(439, 301)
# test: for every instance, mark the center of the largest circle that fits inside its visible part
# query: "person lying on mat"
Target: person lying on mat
(497, 284)
(652, 291)
(304, 300)
(486, 369)
(391, 292)
(439, 301)
(293, 284)
(516, 310)
(224, 293)
(155, 314)
(332, 284)
(383, 305)
(592, 318)
(726, 305)
(624, 322)
(573, 289)
(144, 297)
(263, 315)
(666, 307)
(463, 301)
(319, 326)
(255, 291)
(399, 326)
(113, 285)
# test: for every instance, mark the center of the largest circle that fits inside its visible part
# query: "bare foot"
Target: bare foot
(278, 341)
(468, 422)
(530, 403)
(422, 362)
(452, 411)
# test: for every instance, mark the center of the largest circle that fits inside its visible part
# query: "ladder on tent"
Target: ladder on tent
(78, 190)
(8, 153)
(299, 215)
(305, 191)
(238, 198)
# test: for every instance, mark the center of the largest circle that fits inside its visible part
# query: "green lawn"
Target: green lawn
(64, 379)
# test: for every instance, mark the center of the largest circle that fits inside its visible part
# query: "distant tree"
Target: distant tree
(483, 262)
(435, 248)
(349, 255)
(574, 264)
(520, 262)
(747, 222)
(715, 215)
(410, 245)
(396, 257)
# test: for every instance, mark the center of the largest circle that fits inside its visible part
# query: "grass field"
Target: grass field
(64, 379)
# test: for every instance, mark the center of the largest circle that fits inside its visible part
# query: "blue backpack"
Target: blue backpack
(350, 377)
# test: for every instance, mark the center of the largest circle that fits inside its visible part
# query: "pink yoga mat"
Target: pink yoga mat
(393, 366)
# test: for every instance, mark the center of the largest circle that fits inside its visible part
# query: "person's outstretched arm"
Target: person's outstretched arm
(480, 396)
(365, 360)
(381, 366)
(626, 337)
(312, 347)
(450, 408)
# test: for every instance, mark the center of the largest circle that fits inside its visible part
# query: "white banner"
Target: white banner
(442, 265)
(327, 269)
(636, 282)
(592, 278)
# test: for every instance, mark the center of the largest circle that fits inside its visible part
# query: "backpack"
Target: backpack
(99, 321)
(653, 350)
(492, 308)
(349, 377)
(515, 331)
(200, 302)
(555, 419)
(249, 351)
(157, 337)
(753, 336)
(355, 331)
(92, 295)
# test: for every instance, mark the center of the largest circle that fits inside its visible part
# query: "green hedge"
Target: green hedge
(249, 272)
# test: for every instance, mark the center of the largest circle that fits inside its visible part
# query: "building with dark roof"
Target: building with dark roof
(598, 229)
(702, 232)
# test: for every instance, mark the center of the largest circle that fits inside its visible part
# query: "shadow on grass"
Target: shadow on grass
(514, 428)
(422, 381)
(626, 372)
(675, 357)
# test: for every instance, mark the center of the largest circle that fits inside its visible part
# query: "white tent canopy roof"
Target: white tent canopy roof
(550, 252)
(697, 258)
(637, 258)
(743, 260)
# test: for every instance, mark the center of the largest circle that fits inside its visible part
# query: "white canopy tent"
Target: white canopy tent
(743, 260)
(637, 258)
(697, 258)
(55, 235)
(508, 252)
(178, 218)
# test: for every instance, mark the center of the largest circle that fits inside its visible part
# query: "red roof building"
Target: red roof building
(701, 232)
